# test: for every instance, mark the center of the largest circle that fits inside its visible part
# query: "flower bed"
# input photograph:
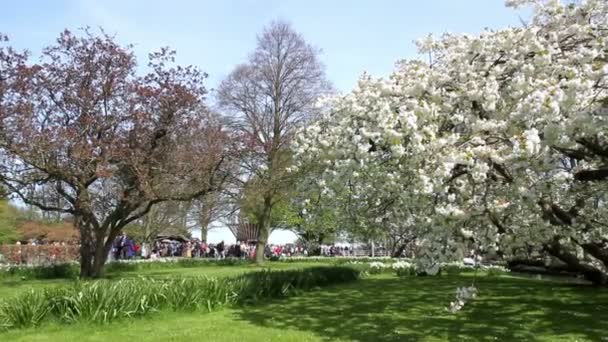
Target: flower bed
(408, 268)
(38, 255)
(338, 259)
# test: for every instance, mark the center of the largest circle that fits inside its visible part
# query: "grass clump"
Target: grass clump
(105, 301)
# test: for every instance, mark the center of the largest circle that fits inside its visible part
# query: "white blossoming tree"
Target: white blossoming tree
(500, 138)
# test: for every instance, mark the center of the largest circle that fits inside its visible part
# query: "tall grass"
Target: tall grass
(105, 301)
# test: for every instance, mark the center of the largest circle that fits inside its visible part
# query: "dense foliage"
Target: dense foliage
(84, 134)
(8, 222)
(499, 140)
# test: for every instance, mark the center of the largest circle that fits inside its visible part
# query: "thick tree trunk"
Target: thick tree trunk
(593, 274)
(598, 251)
(94, 249)
(101, 255)
(86, 248)
(86, 262)
(561, 217)
(92, 265)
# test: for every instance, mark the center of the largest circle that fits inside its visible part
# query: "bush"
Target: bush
(272, 284)
(403, 269)
(40, 254)
(494, 270)
(105, 301)
(376, 267)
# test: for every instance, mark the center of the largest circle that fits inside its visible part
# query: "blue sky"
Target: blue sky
(355, 36)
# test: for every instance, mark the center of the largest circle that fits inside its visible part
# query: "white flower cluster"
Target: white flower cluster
(505, 133)
(377, 267)
(463, 294)
(401, 265)
(494, 269)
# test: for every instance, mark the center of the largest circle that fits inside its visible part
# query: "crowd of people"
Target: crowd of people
(196, 248)
(285, 250)
(333, 250)
(126, 248)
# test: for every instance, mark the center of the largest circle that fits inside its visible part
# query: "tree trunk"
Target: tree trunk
(598, 251)
(86, 261)
(204, 233)
(260, 247)
(264, 232)
(397, 253)
(204, 221)
(593, 274)
(94, 249)
(86, 247)
(148, 225)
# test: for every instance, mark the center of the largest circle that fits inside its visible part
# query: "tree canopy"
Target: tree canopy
(109, 142)
(499, 137)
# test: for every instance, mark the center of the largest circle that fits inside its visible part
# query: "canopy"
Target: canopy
(172, 238)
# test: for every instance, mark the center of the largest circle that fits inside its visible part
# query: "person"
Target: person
(220, 250)
(129, 249)
(122, 244)
(237, 250)
(204, 249)
(243, 249)
(196, 249)
(155, 254)
(188, 250)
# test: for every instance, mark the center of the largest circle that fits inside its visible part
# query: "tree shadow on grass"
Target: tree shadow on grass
(412, 309)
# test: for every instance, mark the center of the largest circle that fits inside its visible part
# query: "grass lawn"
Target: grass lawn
(379, 308)
(14, 285)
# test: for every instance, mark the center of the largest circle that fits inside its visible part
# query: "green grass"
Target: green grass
(10, 286)
(379, 308)
(105, 301)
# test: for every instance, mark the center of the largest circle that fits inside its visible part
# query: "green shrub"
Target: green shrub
(404, 269)
(272, 284)
(28, 309)
(494, 270)
(105, 301)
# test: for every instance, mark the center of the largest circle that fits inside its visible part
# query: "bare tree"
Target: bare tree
(109, 142)
(272, 94)
(170, 218)
(207, 209)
